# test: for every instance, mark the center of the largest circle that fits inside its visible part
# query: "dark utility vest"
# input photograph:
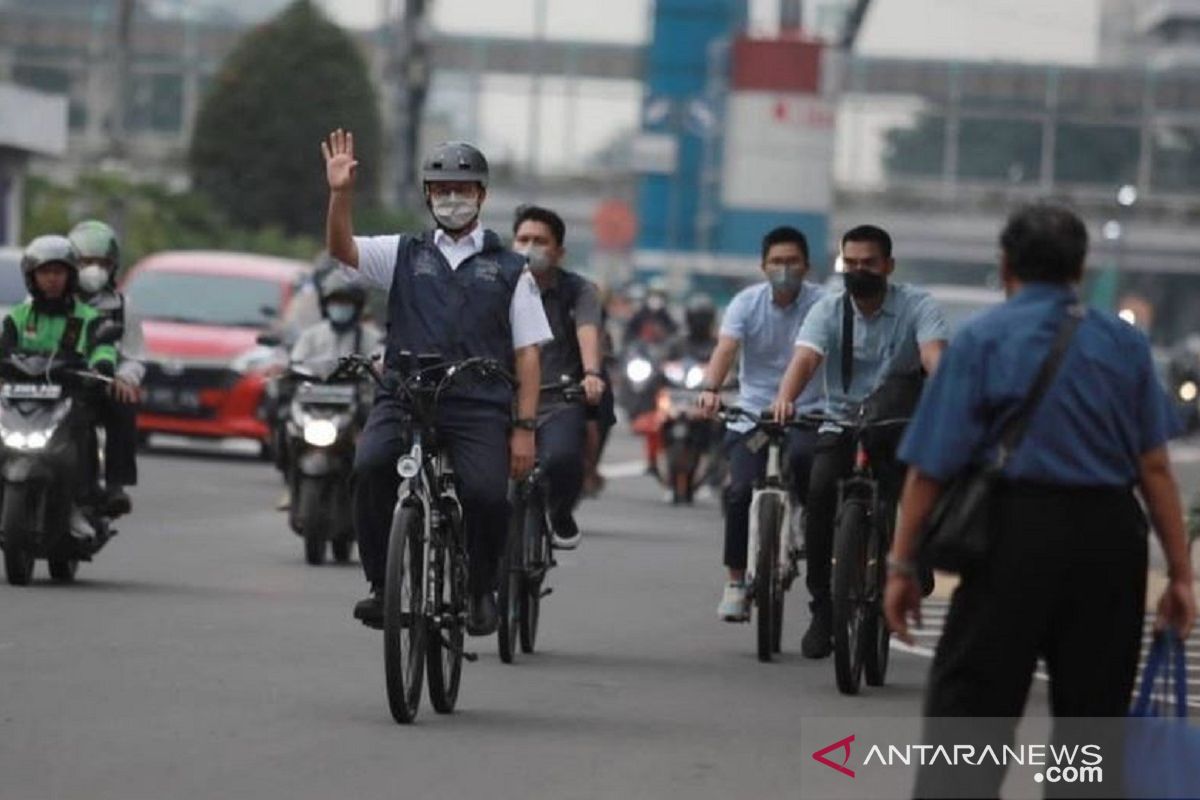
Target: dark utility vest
(458, 314)
(561, 356)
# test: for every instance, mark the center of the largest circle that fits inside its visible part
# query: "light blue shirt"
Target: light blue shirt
(1103, 411)
(766, 334)
(886, 343)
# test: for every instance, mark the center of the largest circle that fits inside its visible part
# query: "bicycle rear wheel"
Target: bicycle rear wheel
(446, 634)
(510, 598)
(403, 619)
(768, 599)
(849, 579)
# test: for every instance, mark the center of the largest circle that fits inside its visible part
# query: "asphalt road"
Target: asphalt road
(199, 657)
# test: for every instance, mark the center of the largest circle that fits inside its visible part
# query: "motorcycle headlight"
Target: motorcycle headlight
(695, 377)
(15, 440)
(36, 441)
(639, 370)
(1188, 391)
(320, 432)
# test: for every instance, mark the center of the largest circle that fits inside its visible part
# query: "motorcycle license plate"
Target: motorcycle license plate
(31, 391)
(327, 394)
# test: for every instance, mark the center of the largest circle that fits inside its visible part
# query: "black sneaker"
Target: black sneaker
(566, 532)
(369, 610)
(482, 617)
(818, 639)
(117, 502)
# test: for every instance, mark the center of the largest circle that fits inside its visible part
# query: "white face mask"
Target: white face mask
(340, 313)
(93, 278)
(538, 256)
(454, 211)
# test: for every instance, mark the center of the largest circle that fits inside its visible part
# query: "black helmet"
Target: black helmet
(455, 161)
(700, 315)
(49, 250)
(95, 239)
(339, 284)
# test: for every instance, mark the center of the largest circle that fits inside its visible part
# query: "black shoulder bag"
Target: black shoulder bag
(958, 533)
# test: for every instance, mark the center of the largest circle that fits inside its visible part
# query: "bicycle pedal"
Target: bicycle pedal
(549, 590)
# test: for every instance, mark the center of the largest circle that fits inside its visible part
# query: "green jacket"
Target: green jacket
(24, 329)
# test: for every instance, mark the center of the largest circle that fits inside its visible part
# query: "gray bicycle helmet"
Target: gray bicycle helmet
(95, 239)
(455, 161)
(339, 284)
(49, 250)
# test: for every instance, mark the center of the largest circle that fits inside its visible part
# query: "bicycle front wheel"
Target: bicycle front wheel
(403, 619)
(849, 593)
(768, 597)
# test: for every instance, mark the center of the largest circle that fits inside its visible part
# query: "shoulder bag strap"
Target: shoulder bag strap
(847, 342)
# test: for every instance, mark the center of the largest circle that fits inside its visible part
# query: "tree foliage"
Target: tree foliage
(255, 149)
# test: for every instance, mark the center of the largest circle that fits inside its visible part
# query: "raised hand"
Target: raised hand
(340, 165)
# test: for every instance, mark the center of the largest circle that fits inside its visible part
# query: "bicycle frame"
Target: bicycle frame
(771, 484)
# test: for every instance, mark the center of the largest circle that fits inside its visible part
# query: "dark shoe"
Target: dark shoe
(818, 639)
(483, 619)
(369, 610)
(117, 502)
(566, 532)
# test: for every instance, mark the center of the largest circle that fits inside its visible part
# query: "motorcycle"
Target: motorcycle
(688, 440)
(322, 428)
(639, 378)
(48, 446)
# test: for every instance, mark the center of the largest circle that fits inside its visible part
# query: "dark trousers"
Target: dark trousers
(834, 462)
(120, 437)
(745, 469)
(560, 442)
(1066, 581)
(476, 437)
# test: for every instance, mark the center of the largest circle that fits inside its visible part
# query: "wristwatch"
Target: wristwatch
(526, 424)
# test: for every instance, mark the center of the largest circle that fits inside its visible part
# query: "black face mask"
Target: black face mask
(864, 285)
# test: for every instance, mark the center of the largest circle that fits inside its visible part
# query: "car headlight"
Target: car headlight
(695, 377)
(320, 432)
(1188, 391)
(639, 370)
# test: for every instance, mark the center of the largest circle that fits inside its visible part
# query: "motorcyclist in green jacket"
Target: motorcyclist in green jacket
(53, 321)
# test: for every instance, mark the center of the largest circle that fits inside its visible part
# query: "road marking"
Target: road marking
(623, 469)
(933, 615)
(1185, 453)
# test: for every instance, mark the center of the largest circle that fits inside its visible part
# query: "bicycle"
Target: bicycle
(425, 591)
(862, 535)
(528, 554)
(774, 548)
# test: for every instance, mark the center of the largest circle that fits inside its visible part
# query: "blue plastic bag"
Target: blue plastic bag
(1162, 751)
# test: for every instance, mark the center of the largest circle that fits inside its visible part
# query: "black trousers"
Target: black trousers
(1066, 582)
(834, 462)
(120, 437)
(745, 468)
(560, 441)
(476, 436)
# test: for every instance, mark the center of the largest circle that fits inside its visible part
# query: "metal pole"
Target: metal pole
(121, 61)
(412, 86)
(535, 100)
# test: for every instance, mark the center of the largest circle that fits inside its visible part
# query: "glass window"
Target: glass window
(1000, 150)
(1105, 154)
(917, 151)
(1176, 159)
(204, 299)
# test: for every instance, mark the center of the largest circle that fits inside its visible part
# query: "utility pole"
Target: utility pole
(122, 56)
(534, 136)
(410, 70)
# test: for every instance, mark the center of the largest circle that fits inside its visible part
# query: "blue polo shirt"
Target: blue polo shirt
(766, 334)
(885, 343)
(1103, 411)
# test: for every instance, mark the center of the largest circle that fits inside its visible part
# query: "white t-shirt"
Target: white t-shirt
(526, 316)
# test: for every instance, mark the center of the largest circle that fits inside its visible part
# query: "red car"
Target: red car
(202, 314)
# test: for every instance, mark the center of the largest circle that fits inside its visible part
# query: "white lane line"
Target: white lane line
(623, 469)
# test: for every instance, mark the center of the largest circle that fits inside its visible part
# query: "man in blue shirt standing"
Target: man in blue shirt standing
(896, 333)
(762, 321)
(1065, 578)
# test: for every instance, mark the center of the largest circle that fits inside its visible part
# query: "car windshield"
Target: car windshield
(204, 299)
(12, 283)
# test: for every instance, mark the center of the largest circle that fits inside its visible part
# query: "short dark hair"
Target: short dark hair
(531, 213)
(870, 233)
(784, 234)
(1045, 242)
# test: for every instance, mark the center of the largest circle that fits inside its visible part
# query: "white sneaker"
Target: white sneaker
(735, 606)
(80, 527)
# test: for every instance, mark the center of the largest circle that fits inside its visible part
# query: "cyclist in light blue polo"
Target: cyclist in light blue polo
(898, 332)
(762, 321)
